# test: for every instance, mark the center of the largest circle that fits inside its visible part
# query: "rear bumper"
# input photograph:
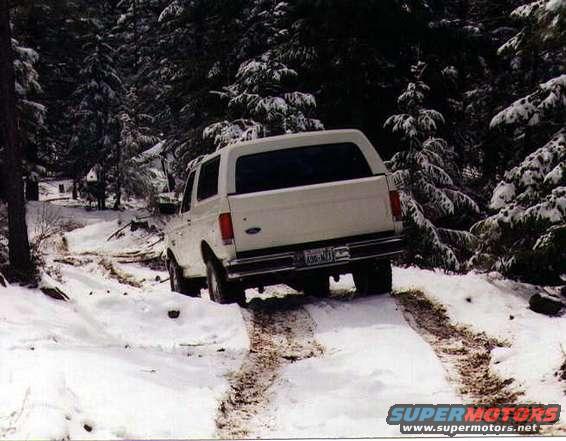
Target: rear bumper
(293, 261)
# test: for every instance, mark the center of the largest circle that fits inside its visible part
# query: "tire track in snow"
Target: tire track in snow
(465, 353)
(277, 338)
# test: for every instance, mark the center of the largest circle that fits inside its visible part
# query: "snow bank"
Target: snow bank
(112, 363)
(93, 238)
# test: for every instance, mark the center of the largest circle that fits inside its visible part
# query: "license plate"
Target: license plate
(320, 256)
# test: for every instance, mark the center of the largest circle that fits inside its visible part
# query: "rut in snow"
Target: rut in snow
(277, 337)
(465, 353)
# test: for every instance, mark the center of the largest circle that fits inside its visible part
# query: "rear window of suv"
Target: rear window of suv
(300, 166)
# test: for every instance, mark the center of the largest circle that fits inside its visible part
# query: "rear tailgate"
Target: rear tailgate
(311, 213)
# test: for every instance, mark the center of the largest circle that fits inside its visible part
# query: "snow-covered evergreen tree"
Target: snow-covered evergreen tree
(135, 138)
(31, 114)
(54, 28)
(197, 49)
(425, 173)
(138, 34)
(263, 101)
(526, 237)
(260, 103)
(97, 130)
(137, 124)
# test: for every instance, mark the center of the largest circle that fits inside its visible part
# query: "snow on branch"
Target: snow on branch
(172, 10)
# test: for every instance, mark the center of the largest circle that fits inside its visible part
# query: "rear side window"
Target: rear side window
(186, 206)
(300, 166)
(208, 179)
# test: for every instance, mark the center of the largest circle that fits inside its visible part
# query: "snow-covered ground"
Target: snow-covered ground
(372, 360)
(111, 363)
(114, 362)
(500, 308)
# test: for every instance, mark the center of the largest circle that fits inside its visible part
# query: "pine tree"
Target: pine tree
(263, 100)
(18, 242)
(260, 104)
(96, 137)
(54, 28)
(31, 114)
(141, 59)
(136, 33)
(198, 46)
(135, 138)
(424, 171)
(526, 237)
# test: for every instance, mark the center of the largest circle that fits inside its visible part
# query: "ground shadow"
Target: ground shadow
(294, 301)
(283, 303)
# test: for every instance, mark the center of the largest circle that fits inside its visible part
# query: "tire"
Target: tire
(317, 286)
(220, 289)
(373, 278)
(179, 283)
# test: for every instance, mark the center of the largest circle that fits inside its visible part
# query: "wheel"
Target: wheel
(220, 289)
(373, 278)
(179, 283)
(317, 286)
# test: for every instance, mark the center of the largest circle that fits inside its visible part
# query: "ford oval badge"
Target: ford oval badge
(253, 230)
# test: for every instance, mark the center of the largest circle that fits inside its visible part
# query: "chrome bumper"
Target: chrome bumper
(294, 260)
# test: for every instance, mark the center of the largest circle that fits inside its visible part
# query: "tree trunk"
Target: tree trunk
(102, 189)
(118, 189)
(18, 242)
(75, 189)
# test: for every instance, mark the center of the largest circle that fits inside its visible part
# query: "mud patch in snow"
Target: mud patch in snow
(116, 273)
(467, 354)
(278, 336)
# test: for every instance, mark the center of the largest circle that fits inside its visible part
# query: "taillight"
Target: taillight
(395, 205)
(226, 228)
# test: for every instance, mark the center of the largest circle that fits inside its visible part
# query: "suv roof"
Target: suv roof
(309, 138)
(306, 138)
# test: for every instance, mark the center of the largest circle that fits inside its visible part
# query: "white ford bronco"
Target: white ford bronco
(294, 209)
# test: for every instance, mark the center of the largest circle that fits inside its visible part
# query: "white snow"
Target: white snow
(372, 360)
(111, 358)
(500, 308)
(94, 238)
(523, 110)
(113, 361)
(502, 195)
(526, 10)
(553, 5)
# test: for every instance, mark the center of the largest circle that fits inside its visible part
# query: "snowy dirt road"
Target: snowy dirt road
(371, 358)
(126, 358)
(280, 333)
(114, 364)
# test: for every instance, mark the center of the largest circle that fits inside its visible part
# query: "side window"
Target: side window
(208, 179)
(186, 206)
